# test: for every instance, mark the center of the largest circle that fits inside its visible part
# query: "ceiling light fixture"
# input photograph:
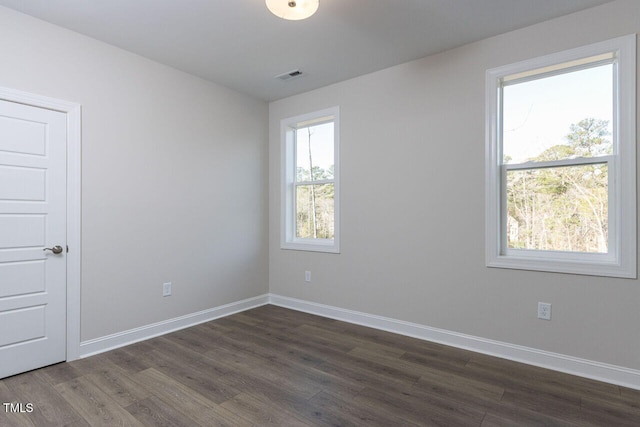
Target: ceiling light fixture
(293, 10)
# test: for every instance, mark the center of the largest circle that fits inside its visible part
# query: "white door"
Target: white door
(32, 218)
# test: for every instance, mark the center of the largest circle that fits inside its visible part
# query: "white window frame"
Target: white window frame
(620, 261)
(288, 127)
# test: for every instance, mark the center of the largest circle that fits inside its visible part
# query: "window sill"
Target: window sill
(591, 265)
(312, 246)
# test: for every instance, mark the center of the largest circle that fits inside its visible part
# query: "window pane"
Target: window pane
(314, 211)
(559, 117)
(314, 152)
(559, 209)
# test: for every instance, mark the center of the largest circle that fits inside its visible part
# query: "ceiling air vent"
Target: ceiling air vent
(290, 75)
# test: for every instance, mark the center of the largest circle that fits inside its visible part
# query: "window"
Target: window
(310, 182)
(560, 155)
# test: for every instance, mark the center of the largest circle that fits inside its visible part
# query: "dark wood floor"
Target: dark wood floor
(273, 366)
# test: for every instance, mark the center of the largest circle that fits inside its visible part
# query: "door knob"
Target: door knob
(56, 249)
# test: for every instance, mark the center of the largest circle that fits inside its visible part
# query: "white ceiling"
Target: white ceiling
(240, 44)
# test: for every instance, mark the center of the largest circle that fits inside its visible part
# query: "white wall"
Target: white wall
(173, 171)
(412, 157)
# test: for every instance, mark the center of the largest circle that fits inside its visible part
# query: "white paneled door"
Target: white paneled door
(32, 237)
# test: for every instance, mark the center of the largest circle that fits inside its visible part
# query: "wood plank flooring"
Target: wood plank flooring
(273, 366)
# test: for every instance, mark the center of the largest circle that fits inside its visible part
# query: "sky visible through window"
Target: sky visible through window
(538, 114)
(321, 137)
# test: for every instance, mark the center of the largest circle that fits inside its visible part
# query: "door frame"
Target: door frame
(74, 135)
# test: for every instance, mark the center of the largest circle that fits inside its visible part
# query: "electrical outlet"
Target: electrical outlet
(307, 276)
(166, 289)
(544, 311)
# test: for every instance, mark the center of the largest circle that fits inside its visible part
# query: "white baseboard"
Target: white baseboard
(120, 339)
(558, 362)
